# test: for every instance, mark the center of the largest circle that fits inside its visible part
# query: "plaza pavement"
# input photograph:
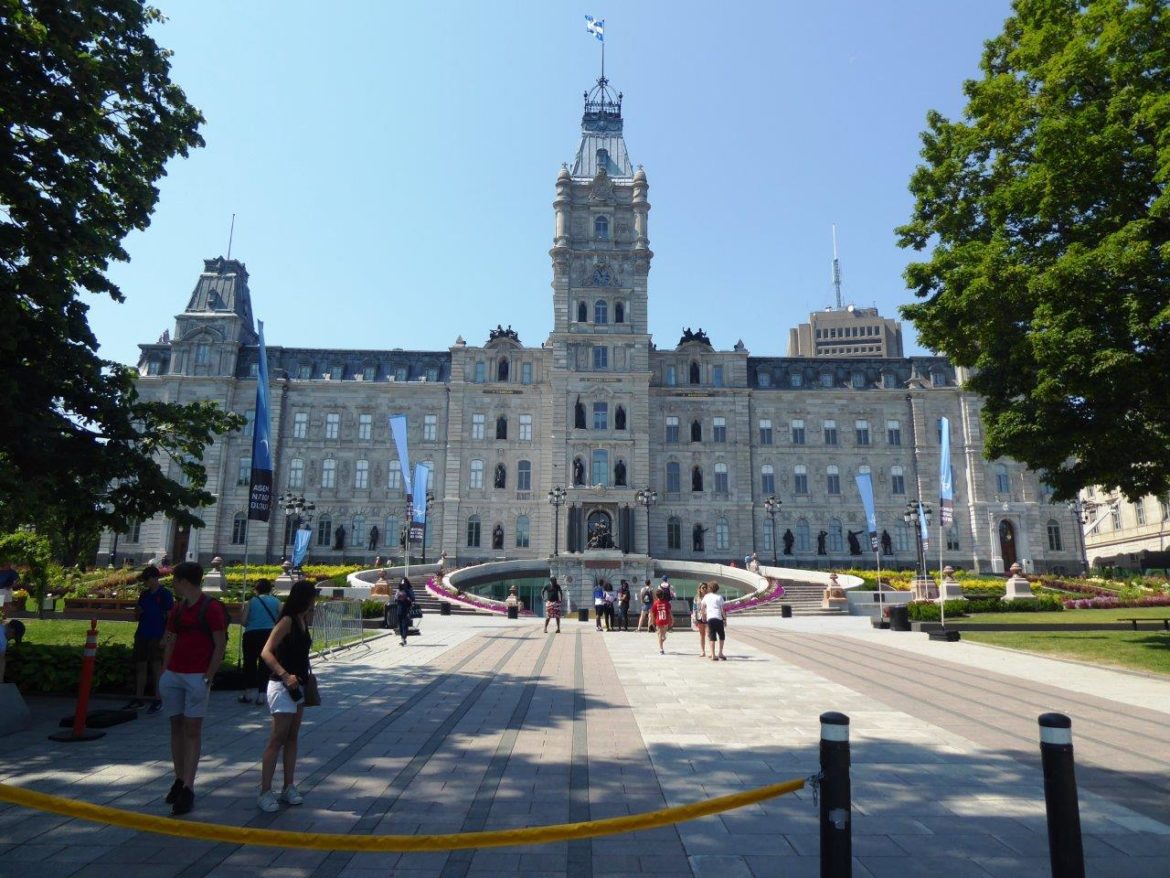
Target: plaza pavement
(483, 723)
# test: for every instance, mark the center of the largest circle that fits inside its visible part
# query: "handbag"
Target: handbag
(415, 611)
(311, 690)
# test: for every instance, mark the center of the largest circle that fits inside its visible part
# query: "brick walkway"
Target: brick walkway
(483, 724)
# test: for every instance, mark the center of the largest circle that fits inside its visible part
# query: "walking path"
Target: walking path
(484, 724)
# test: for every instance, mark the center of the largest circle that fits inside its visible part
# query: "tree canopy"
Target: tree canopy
(1046, 212)
(88, 119)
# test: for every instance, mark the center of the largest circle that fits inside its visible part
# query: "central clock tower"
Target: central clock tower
(600, 344)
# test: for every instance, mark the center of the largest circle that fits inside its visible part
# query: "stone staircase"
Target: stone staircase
(803, 597)
(430, 605)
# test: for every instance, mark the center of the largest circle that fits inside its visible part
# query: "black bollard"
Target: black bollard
(1065, 849)
(836, 827)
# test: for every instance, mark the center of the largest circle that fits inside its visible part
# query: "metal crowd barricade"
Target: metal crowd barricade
(337, 623)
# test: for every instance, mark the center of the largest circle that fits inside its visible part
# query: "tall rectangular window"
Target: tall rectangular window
(329, 473)
(721, 480)
(202, 354)
(430, 427)
(600, 357)
(833, 480)
(332, 425)
(766, 431)
(671, 376)
(600, 416)
(798, 432)
(1139, 511)
(673, 478)
(894, 432)
(249, 422)
(365, 427)
(475, 478)
(361, 475)
(244, 473)
(524, 475)
(394, 476)
(525, 373)
(1055, 544)
(719, 429)
(897, 480)
(672, 429)
(767, 479)
(717, 376)
(673, 533)
(526, 428)
(830, 430)
(301, 425)
(799, 479)
(862, 430)
(600, 467)
(473, 532)
(296, 473)
(480, 373)
(477, 422)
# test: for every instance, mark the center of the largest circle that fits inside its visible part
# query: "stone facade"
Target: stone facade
(597, 408)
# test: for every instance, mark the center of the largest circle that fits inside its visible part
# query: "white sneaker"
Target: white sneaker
(267, 802)
(292, 795)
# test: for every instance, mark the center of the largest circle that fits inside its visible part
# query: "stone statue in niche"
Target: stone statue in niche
(619, 418)
(579, 414)
(789, 539)
(619, 473)
(501, 477)
(578, 472)
(821, 550)
(854, 543)
(498, 537)
(339, 537)
(374, 534)
(697, 479)
(600, 538)
(697, 537)
(887, 543)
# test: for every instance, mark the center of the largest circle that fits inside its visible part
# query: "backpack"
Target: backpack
(202, 620)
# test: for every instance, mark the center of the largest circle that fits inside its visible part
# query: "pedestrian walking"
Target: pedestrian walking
(599, 602)
(645, 598)
(258, 617)
(699, 618)
(660, 612)
(154, 604)
(609, 597)
(286, 654)
(195, 640)
(716, 620)
(623, 605)
(552, 594)
(404, 598)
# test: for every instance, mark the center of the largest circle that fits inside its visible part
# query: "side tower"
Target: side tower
(600, 343)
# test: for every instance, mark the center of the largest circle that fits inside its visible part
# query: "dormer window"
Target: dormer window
(603, 158)
(601, 228)
(202, 354)
(938, 379)
(304, 371)
(600, 312)
(369, 373)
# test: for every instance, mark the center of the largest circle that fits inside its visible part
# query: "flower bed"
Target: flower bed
(469, 600)
(1077, 588)
(774, 592)
(1114, 603)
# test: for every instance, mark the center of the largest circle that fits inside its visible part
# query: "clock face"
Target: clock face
(601, 277)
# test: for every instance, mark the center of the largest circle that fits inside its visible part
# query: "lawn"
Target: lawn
(71, 632)
(1133, 650)
(1067, 617)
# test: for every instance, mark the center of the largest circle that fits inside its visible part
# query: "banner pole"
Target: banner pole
(942, 597)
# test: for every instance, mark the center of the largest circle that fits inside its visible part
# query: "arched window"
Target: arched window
(475, 479)
(601, 228)
(325, 531)
(473, 532)
(673, 533)
(619, 418)
(1002, 482)
(502, 369)
(697, 478)
(358, 535)
(500, 479)
(803, 543)
(722, 534)
(600, 312)
(524, 475)
(522, 532)
(694, 372)
(836, 542)
(673, 477)
(767, 479)
(582, 312)
(619, 312)
(393, 533)
(1055, 543)
(696, 431)
(501, 427)
(240, 529)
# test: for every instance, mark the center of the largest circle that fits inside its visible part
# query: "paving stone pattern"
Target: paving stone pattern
(485, 724)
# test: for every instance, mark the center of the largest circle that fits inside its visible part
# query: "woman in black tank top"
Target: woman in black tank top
(287, 656)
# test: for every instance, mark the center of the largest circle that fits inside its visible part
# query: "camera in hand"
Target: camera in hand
(295, 693)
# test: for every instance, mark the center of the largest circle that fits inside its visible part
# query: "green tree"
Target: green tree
(88, 119)
(1047, 211)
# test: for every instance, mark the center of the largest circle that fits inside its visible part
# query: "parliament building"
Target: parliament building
(602, 410)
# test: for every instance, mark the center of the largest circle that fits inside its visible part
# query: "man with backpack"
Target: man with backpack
(195, 640)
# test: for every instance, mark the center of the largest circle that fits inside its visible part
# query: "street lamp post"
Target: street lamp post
(646, 498)
(557, 498)
(294, 506)
(772, 506)
(1083, 511)
(426, 524)
(911, 517)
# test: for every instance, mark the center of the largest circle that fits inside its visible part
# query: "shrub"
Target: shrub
(1113, 603)
(373, 609)
(56, 668)
(928, 611)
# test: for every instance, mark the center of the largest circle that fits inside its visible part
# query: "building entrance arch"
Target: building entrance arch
(1007, 543)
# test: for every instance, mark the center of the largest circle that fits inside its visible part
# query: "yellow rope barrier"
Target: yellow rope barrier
(331, 841)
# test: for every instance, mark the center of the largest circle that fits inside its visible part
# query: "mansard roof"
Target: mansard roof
(386, 365)
(223, 286)
(905, 372)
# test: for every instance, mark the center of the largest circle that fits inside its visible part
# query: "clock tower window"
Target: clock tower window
(600, 312)
(601, 228)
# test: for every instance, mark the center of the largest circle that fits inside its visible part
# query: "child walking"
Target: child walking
(660, 613)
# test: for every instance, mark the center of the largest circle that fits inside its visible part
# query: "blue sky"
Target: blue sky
(392, 165)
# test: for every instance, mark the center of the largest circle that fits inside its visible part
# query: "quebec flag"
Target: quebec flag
(595, 27)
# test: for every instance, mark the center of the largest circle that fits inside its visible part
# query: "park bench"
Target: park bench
(1134, 622)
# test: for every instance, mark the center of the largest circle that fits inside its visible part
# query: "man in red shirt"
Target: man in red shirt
(195, 640)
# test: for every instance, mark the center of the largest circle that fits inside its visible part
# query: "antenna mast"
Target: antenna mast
(232, 234)
(836, 269)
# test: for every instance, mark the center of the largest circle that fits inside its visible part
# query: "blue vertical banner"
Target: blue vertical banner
(946, 476)
(421, 476)
(922, 527)
(398, 431)
(301, 545)
(865, 489)
(260, 478)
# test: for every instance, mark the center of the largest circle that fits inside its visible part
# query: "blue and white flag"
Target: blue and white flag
(923, 530)
(946, 476)
(595, 27)
(301, 545)
(865, 489)
(260, 478)
(398, 431)
(421, 474)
